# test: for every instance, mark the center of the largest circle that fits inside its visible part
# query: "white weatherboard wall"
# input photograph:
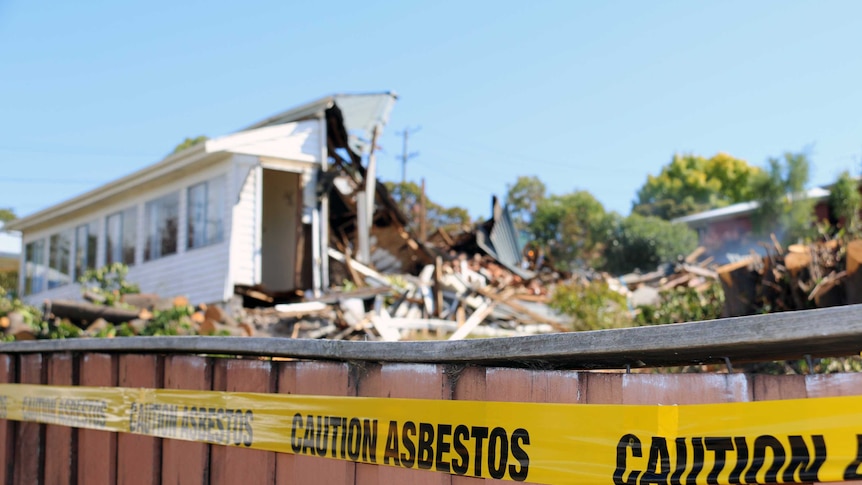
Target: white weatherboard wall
(201, 274)
(244, 248)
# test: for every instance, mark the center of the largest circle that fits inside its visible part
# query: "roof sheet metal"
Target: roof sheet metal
(501, 241)
(817, 193)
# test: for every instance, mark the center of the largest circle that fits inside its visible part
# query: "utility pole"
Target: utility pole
(405, 155)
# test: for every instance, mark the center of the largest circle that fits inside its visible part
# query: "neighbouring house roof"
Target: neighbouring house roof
(290, 135)
(739, 209)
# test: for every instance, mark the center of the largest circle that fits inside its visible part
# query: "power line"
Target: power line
(28, 180)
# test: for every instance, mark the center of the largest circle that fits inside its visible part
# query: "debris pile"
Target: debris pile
(799, 277)
(466, 295)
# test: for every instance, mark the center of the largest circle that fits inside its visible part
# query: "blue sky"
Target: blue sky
(584, 95)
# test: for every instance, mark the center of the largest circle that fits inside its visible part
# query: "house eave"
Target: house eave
(173, 163)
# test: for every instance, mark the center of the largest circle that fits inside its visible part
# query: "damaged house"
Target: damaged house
(257, 208)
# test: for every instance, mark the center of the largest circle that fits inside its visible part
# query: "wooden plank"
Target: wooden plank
(7, 428)
(666, 389)
(233, 465)
(139, 459)
(97, 450)
(60, 441)
(602, 387)
(402, 381)
(833, 385)
(317, 379)
(770, 388)
(185, 462)
(30, 438)
(477, 317)
(505, 299)
(777, 336)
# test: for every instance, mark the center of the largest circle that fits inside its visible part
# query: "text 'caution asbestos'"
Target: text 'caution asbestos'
(759, 442)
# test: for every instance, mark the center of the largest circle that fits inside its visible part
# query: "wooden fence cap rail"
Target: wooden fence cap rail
(829, 332)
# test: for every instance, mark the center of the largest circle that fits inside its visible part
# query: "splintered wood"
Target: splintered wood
(818, 275)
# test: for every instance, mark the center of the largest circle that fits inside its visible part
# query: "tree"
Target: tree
(523, 198)
(573, 227)
(189, 142)
(8, 279)
(844, 203)
(644, 242)
(7, 215)
(436, 216)
(784, 208)
(691, 183)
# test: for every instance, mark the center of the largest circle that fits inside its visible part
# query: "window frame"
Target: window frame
(58, 257)
(205, 219)
(159, 214)
(127, 232)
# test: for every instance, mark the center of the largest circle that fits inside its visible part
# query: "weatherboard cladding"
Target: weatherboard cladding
(243, 241)
(201, 273)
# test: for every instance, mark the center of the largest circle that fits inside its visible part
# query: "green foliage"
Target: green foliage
(108, 282)
(436, 216)
(783, 207)
(639, 242)
(173, 321)
(592, 305)
(574, 228)
(7, 214)
(844, 203)
(9, 281)
(684, 304)
(523, 199)
(691, 183)
(189, 142)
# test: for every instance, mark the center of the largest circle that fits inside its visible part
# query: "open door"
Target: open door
(281, 230)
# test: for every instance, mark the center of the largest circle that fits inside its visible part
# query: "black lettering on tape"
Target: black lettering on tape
(408, 457)
(520, 438)
(498, 453)
(425, 447)
(443, 446)
(392, 441)
(479, 433)
(462, 463)
(627, 441)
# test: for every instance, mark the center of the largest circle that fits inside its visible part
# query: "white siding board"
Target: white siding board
(244, 243)
(199, 274)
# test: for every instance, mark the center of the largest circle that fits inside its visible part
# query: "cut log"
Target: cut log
(210, 327)
(141, 300)
(82, 313)
(795, 261)
(853, 283)
(691, 258)
(739, 284)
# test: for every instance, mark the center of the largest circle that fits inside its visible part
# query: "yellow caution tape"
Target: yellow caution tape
(808, 440)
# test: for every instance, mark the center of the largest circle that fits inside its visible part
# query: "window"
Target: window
(121, 232)
(206, 213)
(60, 259)
(86, 238)
(161, 220)
(34, 268)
